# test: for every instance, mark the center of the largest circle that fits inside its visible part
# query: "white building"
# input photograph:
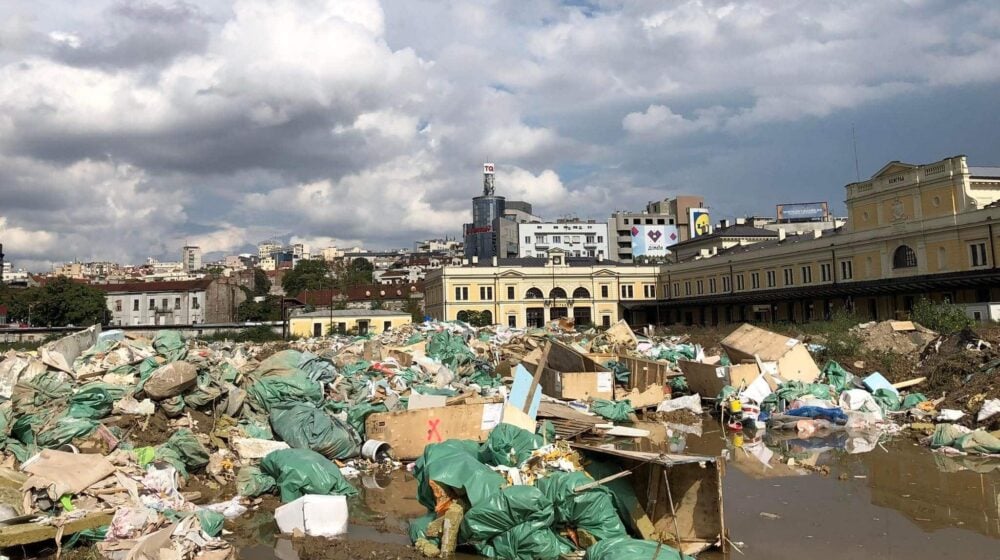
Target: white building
(575, 239)
(267, 248)
(191, 258)
(157, 303)
(300, 251)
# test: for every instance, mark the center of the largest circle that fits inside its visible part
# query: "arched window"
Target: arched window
(486, 318)
(904, 257)
(533, 293)
(556, 293)
(463, 316)
(581, 293)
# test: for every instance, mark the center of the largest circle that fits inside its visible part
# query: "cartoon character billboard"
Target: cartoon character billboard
(653, 241)
(699, 222)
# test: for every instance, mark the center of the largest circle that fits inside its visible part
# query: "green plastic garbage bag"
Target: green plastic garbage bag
(37, 393)
(912, 400)
(678, 384)
(211, 522)
(252, 482)
(514, 523)
(592, 510)
(978, 441)
(455, 463)
(302, 471)
(173, 407)
(303, 426)
(87, 536)
(615, 411)
(271, 391)
(183, 451)
(94, 400)
(290, 362)
(791, 390)
(358, 413)
(621, 371)
(170, 345)
(837, 376)
(65, 430)
(449, 349)
(886, 399)
(508, 446)
(626, 547)
(207, 391)
(547, 431)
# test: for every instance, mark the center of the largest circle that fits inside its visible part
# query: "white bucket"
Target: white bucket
(376, 450)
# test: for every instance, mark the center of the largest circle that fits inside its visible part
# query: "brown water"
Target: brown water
(899, 500)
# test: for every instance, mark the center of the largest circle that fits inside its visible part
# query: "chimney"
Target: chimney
(741, 221)
(781, 235)
(495, 261)
(723, 224)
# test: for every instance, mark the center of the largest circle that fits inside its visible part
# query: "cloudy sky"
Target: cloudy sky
(131, 127)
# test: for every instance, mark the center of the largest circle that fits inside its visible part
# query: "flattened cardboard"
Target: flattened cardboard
(580, 385)
(408, 432)
(749, 344)
(708, 379)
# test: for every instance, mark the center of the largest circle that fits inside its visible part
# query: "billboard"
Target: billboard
(803, 211)
(653, 241)
(699, 222)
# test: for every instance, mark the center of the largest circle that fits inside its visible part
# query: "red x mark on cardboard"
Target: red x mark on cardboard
(432, 430)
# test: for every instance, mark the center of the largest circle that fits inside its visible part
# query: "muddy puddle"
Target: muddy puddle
(898, 500)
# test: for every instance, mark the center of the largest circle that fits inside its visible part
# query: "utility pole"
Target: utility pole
(1, 263)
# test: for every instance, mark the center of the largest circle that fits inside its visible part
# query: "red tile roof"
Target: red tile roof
(162, 286)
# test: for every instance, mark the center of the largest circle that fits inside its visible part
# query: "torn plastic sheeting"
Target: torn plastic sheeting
(794, 389)
(592, 510)
(508, 446)
(888, 400)
(858, 400)
(449, 349)
(37, 393)
(60, 354)
(513, 523)
(689, 402)
(913, 399)
(627, 547)
(290, 362)
(298, 472)
(64, 431)
(615, 411)
(990, 408)
(838, 377)
(304, 426)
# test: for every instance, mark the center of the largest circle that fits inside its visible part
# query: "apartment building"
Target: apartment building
(912, 231)
(208, 300)
(573, 238)
(528, 292)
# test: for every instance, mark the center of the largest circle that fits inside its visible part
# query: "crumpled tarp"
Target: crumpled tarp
(170, 345)
(508, 446)
(592, 510)
(183, 451)
(627, 547)
(297, 472)
(957, 437)
(514, 523)
(615, 411)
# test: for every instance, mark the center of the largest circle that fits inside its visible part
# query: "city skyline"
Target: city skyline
(134, 128)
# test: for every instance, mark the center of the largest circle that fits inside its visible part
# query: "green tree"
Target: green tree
(62, 302)
(261, 283)
(308, 274)
(415, 310)
(267, 310)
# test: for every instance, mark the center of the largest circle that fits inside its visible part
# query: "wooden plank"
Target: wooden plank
(542, 364)
(28, 533)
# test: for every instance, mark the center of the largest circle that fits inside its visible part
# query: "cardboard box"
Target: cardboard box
(708, 378)
(580, 385)
(409, 431)
(792, 360)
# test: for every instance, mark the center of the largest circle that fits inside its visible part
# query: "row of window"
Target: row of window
(770, 277)
(543, 238)
(486, 292)
(164, 304)
(648, 221)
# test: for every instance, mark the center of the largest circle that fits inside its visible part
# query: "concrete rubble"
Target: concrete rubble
(118, 438)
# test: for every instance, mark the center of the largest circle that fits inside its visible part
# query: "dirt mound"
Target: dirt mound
(882, 337)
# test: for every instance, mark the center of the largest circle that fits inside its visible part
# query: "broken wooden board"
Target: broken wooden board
(28, 533)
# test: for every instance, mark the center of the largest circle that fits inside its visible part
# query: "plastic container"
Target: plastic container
(376, 450)
(735, 406)
(315, 516)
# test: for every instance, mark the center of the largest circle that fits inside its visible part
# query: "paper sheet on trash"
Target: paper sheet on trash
(758, 390)
(60, 472)
(418, 401)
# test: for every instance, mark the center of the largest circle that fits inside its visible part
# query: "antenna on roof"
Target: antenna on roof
(857, 167)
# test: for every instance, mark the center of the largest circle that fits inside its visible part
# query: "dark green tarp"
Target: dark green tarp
(303, 426)
(298, 472)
